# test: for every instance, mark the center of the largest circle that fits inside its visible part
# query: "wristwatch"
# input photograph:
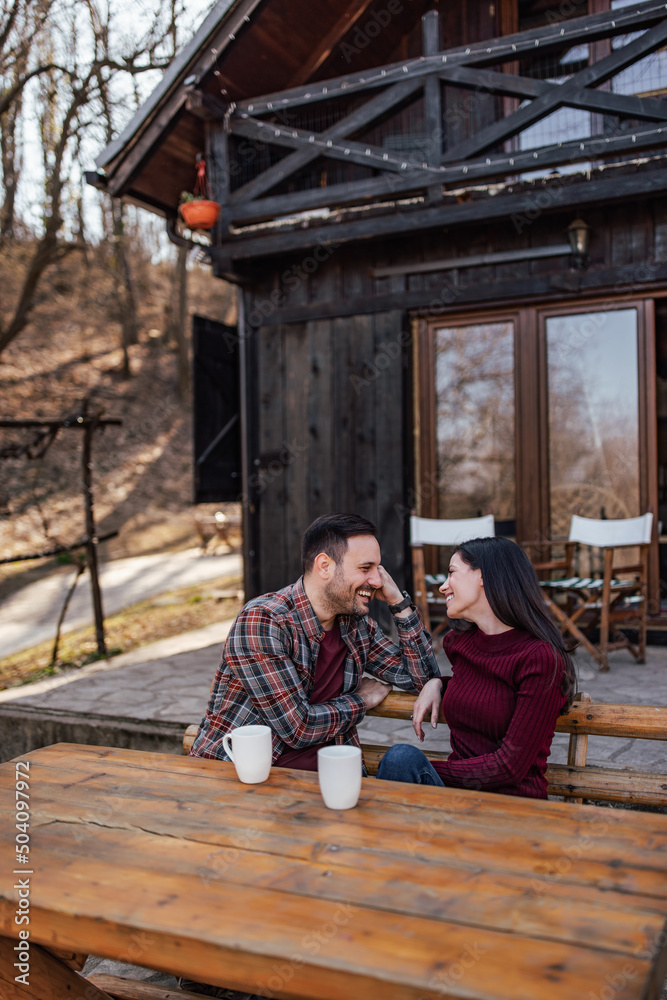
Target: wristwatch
(405, 603)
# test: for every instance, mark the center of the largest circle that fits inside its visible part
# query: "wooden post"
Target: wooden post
(51, 975)
(432, 102)
(578, 746)
(181, 322)
(91, 536)
(217, 160)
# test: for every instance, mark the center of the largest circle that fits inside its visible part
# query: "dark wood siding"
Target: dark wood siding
(332, 414)
(332, 349)
(627, 250)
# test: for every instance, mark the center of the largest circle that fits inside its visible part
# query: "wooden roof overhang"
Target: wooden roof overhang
(467, 180)
(243, 48)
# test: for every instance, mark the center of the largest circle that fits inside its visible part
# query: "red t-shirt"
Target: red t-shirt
(327, 684)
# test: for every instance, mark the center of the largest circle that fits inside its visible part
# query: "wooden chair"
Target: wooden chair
(611, 602)
(433, 531)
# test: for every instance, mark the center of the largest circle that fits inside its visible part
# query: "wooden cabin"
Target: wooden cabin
(447, 223)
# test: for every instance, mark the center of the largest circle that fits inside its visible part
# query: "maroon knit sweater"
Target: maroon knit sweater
(501, 704)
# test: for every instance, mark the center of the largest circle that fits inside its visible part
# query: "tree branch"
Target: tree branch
(11, 95)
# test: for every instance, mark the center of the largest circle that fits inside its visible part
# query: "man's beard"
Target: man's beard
(341, 599)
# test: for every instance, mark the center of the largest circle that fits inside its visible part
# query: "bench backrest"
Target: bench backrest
(644, 722)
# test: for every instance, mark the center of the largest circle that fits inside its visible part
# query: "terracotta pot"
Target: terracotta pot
(200, 214)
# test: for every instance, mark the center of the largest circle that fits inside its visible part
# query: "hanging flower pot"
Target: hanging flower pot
(198, 211)
(200, 214)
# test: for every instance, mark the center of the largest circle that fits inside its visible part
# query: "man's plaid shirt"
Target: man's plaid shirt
(268, 667)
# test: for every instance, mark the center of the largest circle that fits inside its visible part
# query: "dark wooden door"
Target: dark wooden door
(217, 425)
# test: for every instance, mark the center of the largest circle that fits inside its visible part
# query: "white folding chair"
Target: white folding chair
(614, 601)
(435, 531)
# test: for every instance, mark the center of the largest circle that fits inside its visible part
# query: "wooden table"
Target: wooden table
(169, 862)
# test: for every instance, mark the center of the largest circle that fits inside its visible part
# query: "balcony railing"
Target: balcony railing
(474, 116)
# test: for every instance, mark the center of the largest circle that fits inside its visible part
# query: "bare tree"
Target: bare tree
(23, 24)
(81, 56)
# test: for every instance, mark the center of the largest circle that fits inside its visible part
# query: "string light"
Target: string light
(416, 63)
(411, 66)
(384, 158)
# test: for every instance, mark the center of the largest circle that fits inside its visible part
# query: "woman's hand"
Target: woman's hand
(427, 704)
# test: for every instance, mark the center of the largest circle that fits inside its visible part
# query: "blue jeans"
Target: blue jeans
(407, 763)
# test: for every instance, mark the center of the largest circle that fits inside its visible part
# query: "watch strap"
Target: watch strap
(405, 603)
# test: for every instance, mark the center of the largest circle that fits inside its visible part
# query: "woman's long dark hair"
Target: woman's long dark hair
(513, 592)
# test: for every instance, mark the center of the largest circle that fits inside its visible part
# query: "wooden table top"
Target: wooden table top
(169, 862)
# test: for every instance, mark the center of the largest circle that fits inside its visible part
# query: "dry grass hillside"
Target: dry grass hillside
(69, 352)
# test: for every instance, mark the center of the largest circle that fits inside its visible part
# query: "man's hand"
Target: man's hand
(372, 692)
(427, 705)
(389, 592)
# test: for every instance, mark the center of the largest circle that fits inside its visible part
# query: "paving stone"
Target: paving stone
(176, 687)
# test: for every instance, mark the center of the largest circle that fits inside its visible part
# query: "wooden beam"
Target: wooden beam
(612, 188)
(524, 86)
(315, 144)
(354, 11)
(359, 192)
(208, 107)
(494, 82)
(610, 103)
(475, 171)
(141, 145)
(485, 53)
(545, 288)
(562, 94)
(76, 422)
(474, 260)
(361, 116)
(48, 976)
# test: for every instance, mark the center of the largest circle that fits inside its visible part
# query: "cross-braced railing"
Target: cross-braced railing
(281, 161)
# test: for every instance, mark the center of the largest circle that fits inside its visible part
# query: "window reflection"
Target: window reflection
(475, 420)
(565, 124)
(593, 416)
(648, 76)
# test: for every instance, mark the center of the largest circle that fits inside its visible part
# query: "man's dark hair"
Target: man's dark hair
(329, 534)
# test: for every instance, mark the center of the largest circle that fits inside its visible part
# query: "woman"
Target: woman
(512, 676)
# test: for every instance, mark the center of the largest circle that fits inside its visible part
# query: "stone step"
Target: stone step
(26, 727)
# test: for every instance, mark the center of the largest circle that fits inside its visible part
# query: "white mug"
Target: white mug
(339, 773)
(252, 752)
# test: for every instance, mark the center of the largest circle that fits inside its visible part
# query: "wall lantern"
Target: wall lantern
(579, 234)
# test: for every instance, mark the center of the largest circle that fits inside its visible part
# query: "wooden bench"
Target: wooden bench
(221, 526)
(575, 780)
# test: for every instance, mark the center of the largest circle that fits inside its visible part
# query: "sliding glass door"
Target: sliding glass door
(475, 430)
(593, 413)
(537, 414)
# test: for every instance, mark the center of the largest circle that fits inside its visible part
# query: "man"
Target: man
(294, 659)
